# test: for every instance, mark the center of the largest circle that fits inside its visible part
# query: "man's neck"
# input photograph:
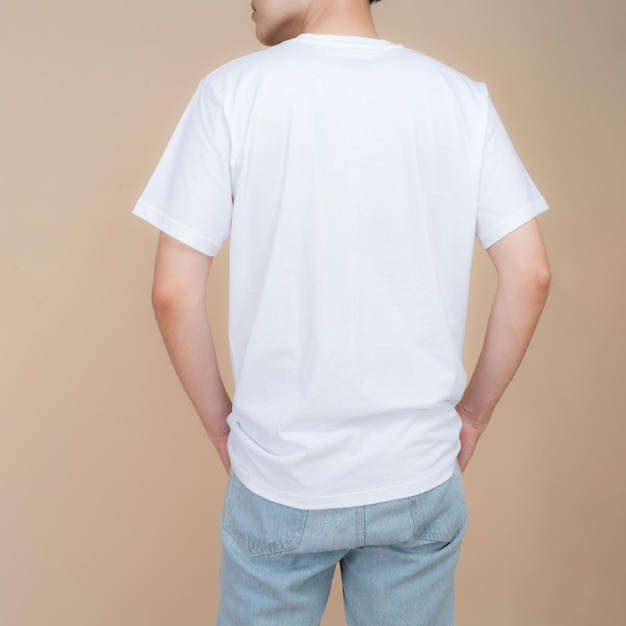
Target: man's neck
(341, 17)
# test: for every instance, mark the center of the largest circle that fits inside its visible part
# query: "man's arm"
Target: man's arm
(523, 283)
(179, 301)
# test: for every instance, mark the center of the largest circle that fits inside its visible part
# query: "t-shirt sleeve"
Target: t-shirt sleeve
(189, 195)
(507, 197)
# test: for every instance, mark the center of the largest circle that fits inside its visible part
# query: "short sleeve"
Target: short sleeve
(507, 197)
(189, 195)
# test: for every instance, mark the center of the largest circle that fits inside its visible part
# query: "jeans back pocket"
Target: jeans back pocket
(259, 525)
(440, 513)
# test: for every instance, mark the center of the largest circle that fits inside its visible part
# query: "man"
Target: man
(352, 175)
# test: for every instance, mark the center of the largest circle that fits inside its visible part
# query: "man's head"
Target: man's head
(279, 20)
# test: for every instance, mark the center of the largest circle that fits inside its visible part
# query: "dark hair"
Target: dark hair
(372, 1)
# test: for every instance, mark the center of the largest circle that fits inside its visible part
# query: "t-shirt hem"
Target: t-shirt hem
(175, 229)
(342, 500)
(512, 222)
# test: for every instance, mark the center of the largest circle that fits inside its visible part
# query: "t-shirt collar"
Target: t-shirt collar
(344, 40)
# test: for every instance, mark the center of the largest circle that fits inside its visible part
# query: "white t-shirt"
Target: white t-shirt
(352, 175)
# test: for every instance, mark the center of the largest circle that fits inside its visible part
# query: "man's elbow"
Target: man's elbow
(538, 278)
(171, 298)
(180, 277)
(165, 300)
(544, 278)
(528, 281)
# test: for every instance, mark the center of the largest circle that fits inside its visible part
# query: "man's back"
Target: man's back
(351, 174)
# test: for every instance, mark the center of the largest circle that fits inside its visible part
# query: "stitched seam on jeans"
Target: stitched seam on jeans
(435, 536)
(414, 514)
(257, 549)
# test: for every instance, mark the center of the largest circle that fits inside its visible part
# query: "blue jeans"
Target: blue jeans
(397, 559)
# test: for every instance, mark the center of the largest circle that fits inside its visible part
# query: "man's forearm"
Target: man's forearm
(187, 336)
(514, 314)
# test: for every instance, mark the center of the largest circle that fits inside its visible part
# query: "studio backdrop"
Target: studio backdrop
(110, 491)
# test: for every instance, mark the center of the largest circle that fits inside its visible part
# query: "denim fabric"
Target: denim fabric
(397, 559)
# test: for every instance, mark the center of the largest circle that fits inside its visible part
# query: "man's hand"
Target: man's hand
(469, 436)
(523, 283)
(179, 301)
(221, 445)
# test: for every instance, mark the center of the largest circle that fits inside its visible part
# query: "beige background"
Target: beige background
(110, 493)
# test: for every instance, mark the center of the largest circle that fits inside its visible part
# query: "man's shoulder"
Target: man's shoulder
(447, 72)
